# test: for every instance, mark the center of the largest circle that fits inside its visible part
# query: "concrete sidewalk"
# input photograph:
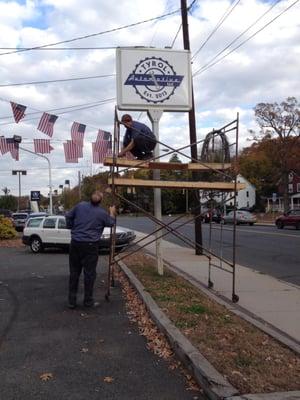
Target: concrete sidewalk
(267, 298)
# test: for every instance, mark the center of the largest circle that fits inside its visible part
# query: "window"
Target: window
(298, 187)
(49, 223)
(62, 224)
(290, 188)
(247, 194)
(34, 222)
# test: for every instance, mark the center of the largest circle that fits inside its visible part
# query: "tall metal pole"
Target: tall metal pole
(19, 199)
(50, 176)
(193, 135)
(155, 116)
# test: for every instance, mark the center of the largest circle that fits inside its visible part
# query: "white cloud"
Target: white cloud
(264, 69)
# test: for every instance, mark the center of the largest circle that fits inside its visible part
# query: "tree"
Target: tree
(5, 190)
(282, 121)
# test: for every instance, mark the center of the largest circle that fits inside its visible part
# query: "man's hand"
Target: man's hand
(112, 211)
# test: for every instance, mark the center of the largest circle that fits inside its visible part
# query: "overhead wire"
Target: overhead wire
(57, 80)
(107, 101)
(228, 11)
(211, 64)
(92, 34)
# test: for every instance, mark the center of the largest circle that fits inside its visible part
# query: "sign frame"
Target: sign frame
(35, 195)
(153, 78)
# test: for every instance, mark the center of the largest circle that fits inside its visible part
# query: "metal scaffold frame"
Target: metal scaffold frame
(214, 260)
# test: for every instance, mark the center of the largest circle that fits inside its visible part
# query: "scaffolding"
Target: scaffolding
(223, 182)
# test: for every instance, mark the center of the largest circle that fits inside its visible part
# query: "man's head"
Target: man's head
(96, 197)
(127, 120)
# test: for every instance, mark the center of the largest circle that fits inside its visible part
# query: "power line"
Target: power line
(61, 108)
(93, 34)
(60, 48)
(64, 112)
(57, 80)
(228, 11)
(211, 64)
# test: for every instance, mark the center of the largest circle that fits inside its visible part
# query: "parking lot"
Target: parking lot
(78, 349)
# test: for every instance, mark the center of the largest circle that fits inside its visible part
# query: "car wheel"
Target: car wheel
(36, 245)
(279, 225)
(298, 226)
(251, 223)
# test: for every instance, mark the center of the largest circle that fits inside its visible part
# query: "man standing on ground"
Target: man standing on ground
(86, 221)
(138, 139)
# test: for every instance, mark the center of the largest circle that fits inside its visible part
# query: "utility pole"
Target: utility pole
(193, 135)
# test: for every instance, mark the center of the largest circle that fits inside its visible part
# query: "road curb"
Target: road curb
(211, 381)
(214, 385)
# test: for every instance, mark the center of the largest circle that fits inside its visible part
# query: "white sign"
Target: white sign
(150, 78)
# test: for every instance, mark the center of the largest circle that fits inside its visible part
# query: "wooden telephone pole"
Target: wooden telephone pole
(193, 135)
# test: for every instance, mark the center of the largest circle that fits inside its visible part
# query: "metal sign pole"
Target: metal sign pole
(154, 116)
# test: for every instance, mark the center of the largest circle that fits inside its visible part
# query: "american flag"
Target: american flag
(77, 132)
(18, 111)
(46, 124)
(15, 151)
(71, 152)
(79, 148)
(7, 145)
(42, 146)
(103, 144)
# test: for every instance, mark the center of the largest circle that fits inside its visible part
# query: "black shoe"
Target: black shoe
(146, 156)
(91, 304)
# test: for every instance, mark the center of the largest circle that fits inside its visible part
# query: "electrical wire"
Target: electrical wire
(64, 112)
(228, 11)
(93, 34)
(57, 80)
(242, 33)
(60, 108)
(211, 64)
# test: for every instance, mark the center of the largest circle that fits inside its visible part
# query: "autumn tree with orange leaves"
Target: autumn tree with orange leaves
(277, 147)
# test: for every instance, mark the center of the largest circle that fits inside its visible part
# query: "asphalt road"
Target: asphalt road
(263, 248)
(79, 348)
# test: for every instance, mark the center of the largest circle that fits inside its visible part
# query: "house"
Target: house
(275, 203)
(245, 198)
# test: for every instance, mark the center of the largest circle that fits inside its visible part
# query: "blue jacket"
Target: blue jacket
(87, 222)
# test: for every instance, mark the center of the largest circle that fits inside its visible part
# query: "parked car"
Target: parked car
(242, 217)
(19, 220)
(51, 231)
(212, 215)
(291, 218)
(5, 212)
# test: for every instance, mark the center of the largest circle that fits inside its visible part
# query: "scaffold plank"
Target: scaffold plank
(123, 162)
(226, 186)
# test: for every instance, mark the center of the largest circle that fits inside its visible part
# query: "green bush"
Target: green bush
(7, 230)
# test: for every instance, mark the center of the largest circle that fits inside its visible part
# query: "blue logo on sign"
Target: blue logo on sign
(154, 80)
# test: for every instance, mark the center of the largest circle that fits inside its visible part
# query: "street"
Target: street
(263, 248)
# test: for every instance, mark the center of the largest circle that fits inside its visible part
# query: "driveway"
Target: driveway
(76, 348)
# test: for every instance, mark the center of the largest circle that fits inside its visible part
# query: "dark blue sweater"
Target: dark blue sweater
(87, 222)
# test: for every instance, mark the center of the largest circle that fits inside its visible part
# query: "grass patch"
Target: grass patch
(250, 359)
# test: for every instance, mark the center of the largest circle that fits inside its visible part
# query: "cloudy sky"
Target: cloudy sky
(264, 69)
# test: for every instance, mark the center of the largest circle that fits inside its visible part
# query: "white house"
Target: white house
(244, 198)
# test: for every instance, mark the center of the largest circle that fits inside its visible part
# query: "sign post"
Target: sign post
(154, 80)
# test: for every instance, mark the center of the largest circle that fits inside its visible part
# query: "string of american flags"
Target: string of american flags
(73, 149)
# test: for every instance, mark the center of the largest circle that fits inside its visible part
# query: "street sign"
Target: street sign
(35, 195)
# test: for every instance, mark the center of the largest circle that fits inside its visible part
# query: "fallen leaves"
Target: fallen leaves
(46, 376)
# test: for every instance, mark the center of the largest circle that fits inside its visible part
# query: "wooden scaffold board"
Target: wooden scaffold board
(226, 186)
(123, 162)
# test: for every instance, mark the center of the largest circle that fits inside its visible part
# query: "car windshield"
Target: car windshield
(34, 222)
